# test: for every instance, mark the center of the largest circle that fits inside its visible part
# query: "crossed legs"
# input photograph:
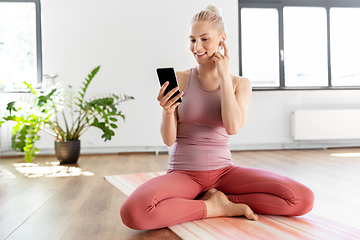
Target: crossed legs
(232, 191)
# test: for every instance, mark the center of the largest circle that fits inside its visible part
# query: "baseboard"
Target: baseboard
(165, 149)
(94, 150)
(294, 145)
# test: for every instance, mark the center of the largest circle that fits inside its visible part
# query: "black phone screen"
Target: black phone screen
(168, 74)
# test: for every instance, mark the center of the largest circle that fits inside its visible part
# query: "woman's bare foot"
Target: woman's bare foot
(207, 194)
(218, 205)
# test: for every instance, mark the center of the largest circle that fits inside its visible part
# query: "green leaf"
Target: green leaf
(43, 99)
(10, 107)
(19, 146)
(31, 88)
(113, 119)
(121, 115)
(87, 82)
(12, 118)
(113, 125)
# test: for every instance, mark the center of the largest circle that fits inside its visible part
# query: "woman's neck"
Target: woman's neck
(208, 76)
(207, 71)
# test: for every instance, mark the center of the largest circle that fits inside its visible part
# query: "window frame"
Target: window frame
(38, 42)
(279, 5)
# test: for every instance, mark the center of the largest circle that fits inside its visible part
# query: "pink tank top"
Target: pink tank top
(202, 142)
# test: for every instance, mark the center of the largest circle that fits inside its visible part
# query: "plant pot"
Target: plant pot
(67, 152)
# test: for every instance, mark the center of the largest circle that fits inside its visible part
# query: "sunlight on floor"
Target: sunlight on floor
(53, 169)
(4, 173)
(346, 154)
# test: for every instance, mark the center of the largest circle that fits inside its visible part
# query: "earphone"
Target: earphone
(222, 45)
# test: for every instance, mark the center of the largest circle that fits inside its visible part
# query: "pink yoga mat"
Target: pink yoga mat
(309, 226)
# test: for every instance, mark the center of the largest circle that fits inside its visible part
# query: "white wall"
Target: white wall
(269, 118)
(130, 39)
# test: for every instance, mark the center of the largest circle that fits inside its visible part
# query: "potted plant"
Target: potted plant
(43, 111)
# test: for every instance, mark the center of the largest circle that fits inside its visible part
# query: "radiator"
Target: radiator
(5, 137)
(332, 124)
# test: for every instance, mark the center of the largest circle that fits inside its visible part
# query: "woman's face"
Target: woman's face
(205, 40)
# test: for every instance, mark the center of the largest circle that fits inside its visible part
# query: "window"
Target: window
(20, 44)
(345, 46)
(300, 44)
(260, 46)
(305, 51)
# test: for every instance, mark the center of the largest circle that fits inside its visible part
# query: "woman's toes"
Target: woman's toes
(249, 214)
(254, 217)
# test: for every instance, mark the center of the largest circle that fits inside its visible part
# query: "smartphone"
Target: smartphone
(168, 74)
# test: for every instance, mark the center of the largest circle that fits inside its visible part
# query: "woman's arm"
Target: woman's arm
(168, 127)
(235, 97)
(235, 94)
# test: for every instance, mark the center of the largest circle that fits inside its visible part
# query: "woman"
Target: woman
(201, 181)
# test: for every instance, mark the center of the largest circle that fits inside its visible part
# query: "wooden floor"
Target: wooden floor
(87, 207)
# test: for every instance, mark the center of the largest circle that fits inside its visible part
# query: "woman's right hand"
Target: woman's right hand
(169, 105)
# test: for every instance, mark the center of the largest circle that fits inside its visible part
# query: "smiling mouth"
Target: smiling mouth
(200, 54)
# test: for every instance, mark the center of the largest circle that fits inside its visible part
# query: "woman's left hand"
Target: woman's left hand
(222, 62)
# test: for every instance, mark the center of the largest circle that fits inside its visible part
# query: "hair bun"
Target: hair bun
(214, 9)
(213, 14)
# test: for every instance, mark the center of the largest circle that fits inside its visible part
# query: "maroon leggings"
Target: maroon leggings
(169, 199)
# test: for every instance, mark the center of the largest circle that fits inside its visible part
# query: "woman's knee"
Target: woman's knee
(126, 215)
(305, 202)
(130, 215)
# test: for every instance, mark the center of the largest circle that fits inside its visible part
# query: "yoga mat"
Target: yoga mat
(309, 226)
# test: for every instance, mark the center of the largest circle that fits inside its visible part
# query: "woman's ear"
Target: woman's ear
(223, 37)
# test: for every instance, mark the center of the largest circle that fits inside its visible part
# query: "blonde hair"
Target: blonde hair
(213, 14)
